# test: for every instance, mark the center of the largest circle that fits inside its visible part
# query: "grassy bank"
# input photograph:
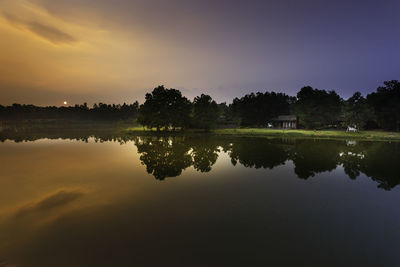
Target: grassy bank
(257, 132)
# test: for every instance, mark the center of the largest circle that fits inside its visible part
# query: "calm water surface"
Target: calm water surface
(198, 201)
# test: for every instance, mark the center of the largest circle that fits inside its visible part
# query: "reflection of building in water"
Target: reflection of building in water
(285, 122)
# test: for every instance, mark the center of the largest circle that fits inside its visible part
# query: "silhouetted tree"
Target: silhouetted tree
(99, 112)
(225, 117)
(205, 112)
(317, 108)
(386, 104)
(165, 108)
(168, 109)
(357, 111)
(258, 109)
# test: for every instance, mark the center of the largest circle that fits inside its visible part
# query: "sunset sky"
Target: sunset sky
(115, 51)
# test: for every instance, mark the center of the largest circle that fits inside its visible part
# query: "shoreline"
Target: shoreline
(278, 133)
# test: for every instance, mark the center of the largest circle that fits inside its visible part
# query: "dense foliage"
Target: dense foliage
(258, 109)
(205, 112)
(164, 108)
(386, 104)
(100, 111)
(357, 112)
(168, 109)
(317, 108)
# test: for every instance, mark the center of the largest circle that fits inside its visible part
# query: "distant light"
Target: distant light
(65, 102)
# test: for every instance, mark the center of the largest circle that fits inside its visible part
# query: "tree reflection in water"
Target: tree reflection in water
(163, 156)
(314, 156)
(382, 164)
(169, 156)
(204, 153)
(166, 156)
(258, 152)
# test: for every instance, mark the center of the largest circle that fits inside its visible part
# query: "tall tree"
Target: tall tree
(164, 108)
(357, 111)
(205, 112)
(386, 104)
(257, 109)
(317, 108)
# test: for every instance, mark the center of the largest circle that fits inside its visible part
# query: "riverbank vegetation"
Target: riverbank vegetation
(297, 133)
(100, 112)
(316, 109)
(168, 110)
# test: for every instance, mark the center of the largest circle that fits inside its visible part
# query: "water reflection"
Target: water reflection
(258, 152)
(169, 156)
(166, 156)
(53, 201)
(314, 156)
(237, 203)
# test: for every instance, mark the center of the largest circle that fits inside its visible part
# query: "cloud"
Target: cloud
(56, 200)
(49, 33)
(52, 34)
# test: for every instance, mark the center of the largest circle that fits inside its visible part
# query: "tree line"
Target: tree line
(168, 109)
(99, 111)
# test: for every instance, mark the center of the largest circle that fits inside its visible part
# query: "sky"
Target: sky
(114, 51)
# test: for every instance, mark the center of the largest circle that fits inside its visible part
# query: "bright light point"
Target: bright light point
(65, 102)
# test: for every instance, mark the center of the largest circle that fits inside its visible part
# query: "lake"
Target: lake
(73, 199)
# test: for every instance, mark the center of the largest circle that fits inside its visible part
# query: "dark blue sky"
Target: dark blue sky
(115, 51)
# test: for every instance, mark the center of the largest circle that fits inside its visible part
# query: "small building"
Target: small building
(285, 122)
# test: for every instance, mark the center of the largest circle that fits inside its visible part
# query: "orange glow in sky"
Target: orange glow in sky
(84, 56)
(115, 51)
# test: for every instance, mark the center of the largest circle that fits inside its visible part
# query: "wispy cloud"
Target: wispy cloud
(50, 33)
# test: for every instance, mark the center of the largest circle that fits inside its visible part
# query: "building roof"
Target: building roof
(286, 118)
